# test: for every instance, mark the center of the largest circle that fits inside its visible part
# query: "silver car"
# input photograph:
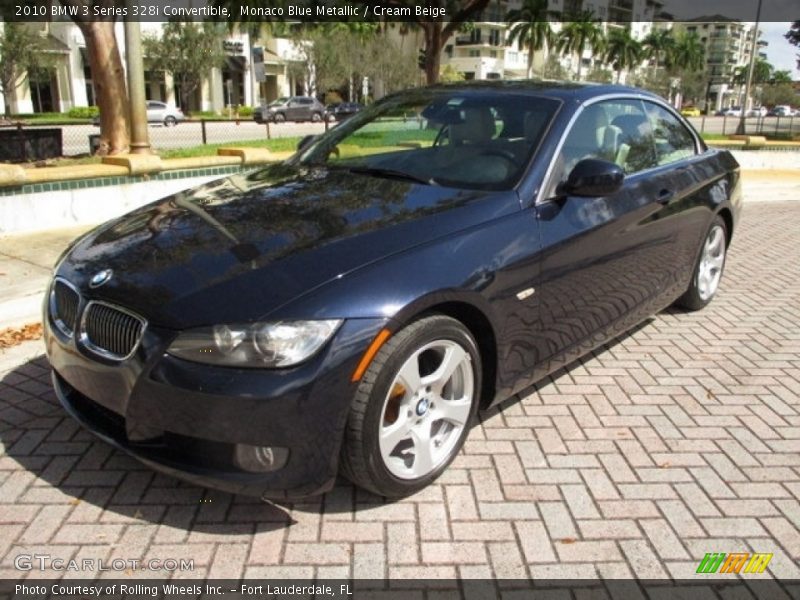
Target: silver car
(159, 112)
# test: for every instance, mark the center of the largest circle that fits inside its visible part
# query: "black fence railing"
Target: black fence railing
(31, 142)
(779, 128)
(25, 143)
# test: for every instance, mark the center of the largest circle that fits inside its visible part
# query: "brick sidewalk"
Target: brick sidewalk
(680, 439)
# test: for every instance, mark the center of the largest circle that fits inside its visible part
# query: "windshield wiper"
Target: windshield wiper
(381, 172)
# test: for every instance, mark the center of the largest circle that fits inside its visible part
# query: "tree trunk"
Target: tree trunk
(530, 60)
(109, 82)
(433, 51)
(7, 101)
(580, 64)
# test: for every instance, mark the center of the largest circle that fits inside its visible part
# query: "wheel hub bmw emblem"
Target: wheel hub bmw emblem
(422, 406)
(100, 278)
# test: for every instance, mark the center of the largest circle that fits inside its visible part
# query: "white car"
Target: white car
(732, 111)
(760, 111)
(158, 112)
(783, 110)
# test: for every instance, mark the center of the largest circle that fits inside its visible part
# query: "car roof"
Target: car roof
(562, 90)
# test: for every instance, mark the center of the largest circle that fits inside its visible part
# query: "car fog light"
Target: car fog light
(260, 459)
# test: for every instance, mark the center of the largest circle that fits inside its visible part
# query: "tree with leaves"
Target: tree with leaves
(622, 51)
(188, 51)
(656, 46)
(108, 74)
(21, 54)
(762, 73)
(688, 53)
(436, 32)
(580, 33)
(686, 62)
(531, 28)
(793, 35)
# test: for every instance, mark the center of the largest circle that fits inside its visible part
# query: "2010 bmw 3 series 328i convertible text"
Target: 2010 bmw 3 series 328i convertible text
(351, 309)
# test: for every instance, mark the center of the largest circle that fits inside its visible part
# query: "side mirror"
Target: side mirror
(593, 177)
(305, 141)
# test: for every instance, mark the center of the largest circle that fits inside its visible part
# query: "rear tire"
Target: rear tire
(170, 122)
(708, 270)
(316, 118)
(413, 408)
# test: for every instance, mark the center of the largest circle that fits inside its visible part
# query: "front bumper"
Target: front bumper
(186, 419)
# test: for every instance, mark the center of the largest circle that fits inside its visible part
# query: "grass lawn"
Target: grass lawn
(275, 145)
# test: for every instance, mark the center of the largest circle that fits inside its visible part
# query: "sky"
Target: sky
(776, 18)
(780, 53)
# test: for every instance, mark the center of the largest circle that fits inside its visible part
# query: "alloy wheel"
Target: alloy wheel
(426, 409)
(709, 271)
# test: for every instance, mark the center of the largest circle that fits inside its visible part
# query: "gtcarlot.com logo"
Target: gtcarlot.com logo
(45, 562)
(736, 562)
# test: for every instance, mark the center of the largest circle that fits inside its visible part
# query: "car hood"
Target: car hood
(238, 248)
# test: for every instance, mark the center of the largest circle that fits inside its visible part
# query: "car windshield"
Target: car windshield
(474, 139)
(278, 101)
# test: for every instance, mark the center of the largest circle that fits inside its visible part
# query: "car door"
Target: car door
(155, 112)
(603, 259)
(682, 178)
(304, 109)
(292, 109)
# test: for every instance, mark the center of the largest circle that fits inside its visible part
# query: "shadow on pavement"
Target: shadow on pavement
(72, 467)
(41, 438)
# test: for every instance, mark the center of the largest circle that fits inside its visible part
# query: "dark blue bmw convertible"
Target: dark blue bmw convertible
(351, 309)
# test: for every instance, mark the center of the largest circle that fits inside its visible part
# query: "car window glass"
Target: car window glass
(672, 139)
(615, 130)
(480, 141)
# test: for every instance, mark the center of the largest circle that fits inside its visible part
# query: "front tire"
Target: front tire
(170, 122)
(413, 408)
(280, 118)
(709, 268)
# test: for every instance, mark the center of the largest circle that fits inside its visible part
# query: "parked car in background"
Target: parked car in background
(351, 311)
(759, 111)
(782, 110)
(690, 111)
(731, 111)
(341, 110)
(290, 108)
(159, 112)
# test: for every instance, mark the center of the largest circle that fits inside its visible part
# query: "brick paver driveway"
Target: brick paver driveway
(679, 439)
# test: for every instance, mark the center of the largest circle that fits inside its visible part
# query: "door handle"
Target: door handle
(664, 196)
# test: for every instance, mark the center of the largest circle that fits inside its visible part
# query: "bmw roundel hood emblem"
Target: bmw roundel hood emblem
(100, 278)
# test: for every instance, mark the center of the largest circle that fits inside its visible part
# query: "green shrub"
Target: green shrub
(83, 112)
(246, 111)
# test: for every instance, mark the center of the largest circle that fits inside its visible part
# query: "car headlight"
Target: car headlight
(280, 344)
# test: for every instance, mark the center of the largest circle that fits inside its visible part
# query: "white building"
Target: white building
(728, 46)
(484, 52)
(242, 81)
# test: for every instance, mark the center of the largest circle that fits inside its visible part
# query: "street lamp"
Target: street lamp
(753, 48)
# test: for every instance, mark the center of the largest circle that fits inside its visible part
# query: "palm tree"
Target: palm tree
(687, 54)
(622, 51)
(657, 45)
(582, 32)
(531, 28)
(762, 72)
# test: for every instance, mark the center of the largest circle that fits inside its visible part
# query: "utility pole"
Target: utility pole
(140, 142)
(740, 130)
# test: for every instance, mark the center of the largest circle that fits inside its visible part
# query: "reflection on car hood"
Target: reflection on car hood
(237, 248)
